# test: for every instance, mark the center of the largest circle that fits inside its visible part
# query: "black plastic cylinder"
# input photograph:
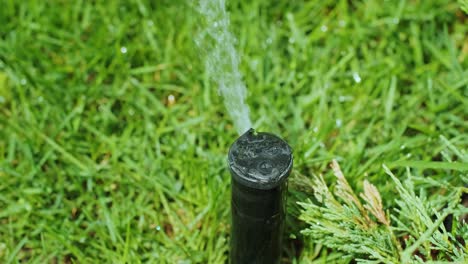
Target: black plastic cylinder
(260, 164)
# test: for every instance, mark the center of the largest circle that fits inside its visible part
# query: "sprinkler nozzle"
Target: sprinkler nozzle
(260, 164)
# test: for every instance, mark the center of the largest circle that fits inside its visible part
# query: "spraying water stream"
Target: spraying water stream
(222, 61)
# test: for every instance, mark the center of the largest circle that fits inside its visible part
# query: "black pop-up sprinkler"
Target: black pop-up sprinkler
(260, 164)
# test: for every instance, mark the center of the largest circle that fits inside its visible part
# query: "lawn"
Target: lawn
(113, 139)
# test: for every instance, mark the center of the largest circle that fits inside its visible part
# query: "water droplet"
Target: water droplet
(254, 63)
(408, 155)
(338, 122)
(23, 81)
(403, 147)
(324, 28)
(315, 129)
(342, 23)
(123, 50)
(356, 77)
(170, 100)
(158, 228)
(215, 24)
(292, 40)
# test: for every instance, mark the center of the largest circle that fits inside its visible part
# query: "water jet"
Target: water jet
(260, 164)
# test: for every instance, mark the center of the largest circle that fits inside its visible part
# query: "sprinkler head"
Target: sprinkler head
(260, 164)
(260, 160)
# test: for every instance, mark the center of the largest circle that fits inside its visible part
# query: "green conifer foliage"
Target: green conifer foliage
(412, 232)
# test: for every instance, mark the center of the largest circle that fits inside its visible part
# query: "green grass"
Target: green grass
(96, 166)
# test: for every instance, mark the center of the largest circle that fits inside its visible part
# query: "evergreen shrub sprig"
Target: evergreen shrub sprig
(359, 226)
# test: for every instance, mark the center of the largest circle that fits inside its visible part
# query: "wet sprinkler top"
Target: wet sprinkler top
(260, 160)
